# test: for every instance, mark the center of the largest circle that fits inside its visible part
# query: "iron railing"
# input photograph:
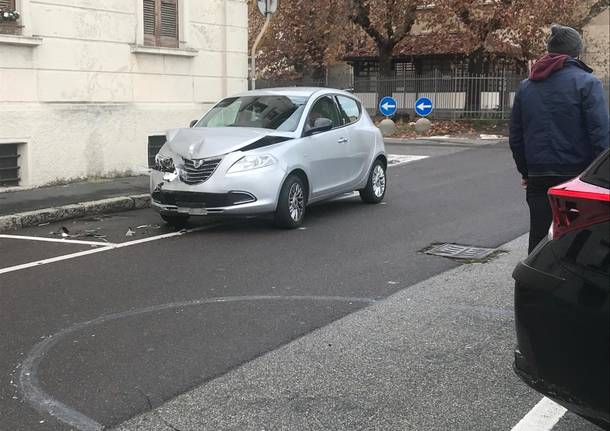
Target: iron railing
(454, 96)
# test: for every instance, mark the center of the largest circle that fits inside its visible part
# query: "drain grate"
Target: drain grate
(456, 251)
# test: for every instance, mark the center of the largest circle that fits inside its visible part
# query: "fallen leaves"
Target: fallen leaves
(454, 129)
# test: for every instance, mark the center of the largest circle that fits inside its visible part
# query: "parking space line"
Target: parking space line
(106, 247)
(403, 159)
(543, 417)
(53, 259)
(59, 240)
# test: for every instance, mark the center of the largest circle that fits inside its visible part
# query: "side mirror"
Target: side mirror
(319, 126)
(193, 123)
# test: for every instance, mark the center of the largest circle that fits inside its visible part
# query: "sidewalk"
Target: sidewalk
(449, 141)
(434, 356)
(23, 208)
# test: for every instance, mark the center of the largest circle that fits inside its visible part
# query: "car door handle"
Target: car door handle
(342, 141)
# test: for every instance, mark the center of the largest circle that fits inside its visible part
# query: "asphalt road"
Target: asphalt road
(118, 331)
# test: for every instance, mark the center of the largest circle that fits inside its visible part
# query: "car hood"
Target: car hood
(204, 142)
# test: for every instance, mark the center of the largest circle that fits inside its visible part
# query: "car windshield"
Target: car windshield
(268, 112)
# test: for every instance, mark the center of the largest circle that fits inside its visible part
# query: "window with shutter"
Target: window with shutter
(161, 23)
(9, 27)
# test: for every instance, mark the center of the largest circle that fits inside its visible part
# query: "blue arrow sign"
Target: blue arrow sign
(388, 106)
(423, 106)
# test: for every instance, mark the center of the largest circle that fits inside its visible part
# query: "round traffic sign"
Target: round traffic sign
(388, 106)
(423, 106)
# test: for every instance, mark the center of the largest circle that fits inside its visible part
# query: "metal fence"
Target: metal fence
(454, 96)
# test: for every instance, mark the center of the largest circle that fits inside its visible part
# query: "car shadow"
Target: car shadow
(326, 210)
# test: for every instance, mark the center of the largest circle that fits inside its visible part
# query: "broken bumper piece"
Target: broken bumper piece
(193, 203)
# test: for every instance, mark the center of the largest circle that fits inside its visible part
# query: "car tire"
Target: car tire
(292, 203)
(177, 220)
(375, 189)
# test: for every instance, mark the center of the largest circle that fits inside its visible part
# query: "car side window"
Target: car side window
(324, 108)
(350, 109)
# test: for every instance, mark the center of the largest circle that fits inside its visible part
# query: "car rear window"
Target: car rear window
(599, 172)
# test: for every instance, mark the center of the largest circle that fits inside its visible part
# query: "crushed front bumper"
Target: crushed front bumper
(244, 193)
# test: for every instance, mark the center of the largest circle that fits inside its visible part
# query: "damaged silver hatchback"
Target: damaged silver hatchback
(270, 151)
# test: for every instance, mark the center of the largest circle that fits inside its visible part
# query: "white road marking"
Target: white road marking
(542, 417)
(53, 259)
(105, 248)
(60, 240)
(403, 159)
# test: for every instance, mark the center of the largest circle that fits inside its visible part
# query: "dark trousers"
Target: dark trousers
(541, 215)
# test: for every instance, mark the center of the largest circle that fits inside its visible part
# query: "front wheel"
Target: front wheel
(176, 220)
(374, 191)
(291, 206)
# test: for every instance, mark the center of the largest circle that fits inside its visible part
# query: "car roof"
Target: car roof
(292, 91)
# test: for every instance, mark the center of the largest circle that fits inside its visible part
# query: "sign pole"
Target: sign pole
(254, 48)
(267, 8)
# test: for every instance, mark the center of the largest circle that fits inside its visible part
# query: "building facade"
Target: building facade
(86, 85)
(597, 44)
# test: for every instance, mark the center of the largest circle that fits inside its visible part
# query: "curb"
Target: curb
(446, 142)
(67, 212)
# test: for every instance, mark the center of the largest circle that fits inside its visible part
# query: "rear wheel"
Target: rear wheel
(290, 210)
(374, 191)
(177, 220)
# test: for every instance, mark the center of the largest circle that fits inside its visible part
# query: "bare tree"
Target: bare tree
(387, 23)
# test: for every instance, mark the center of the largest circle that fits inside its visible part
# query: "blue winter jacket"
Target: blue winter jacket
(560, 121)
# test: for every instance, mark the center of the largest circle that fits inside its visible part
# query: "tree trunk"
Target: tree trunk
(385, 77)
(474, 85)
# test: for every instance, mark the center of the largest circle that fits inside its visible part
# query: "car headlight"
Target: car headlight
(164, 162)
(248, 163)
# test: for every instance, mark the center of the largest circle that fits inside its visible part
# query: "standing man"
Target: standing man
(559, 124)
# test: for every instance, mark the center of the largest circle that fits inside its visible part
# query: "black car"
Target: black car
(561, 299)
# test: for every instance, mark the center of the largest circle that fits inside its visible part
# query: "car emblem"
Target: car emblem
(197, 163)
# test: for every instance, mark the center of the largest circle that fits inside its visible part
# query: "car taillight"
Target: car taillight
(577, 209)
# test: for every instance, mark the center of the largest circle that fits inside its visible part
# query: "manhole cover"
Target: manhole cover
(456, 251)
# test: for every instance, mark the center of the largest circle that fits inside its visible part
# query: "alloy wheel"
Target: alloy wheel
(378, 181)
(296, 202)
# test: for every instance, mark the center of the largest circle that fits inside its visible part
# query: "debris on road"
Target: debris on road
(130, 232)
(87, 233)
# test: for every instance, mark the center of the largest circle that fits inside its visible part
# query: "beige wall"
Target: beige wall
(597, 44)
(81, 92)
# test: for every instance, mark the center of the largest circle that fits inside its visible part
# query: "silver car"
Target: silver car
(271, 151)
